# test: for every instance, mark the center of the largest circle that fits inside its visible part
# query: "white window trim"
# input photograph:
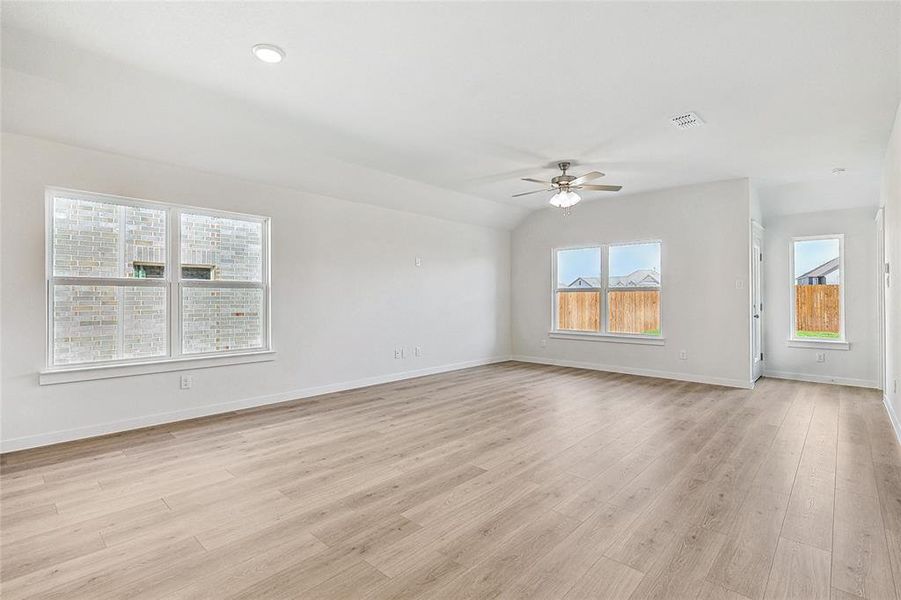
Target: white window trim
(175, 359)
(603, 335)
(825, 344)
(126, 369)
(619, 338)
(794, 341)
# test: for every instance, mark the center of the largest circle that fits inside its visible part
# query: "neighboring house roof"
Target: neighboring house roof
(635, 279)
(585, 282)
(639, 278)
(821, 271)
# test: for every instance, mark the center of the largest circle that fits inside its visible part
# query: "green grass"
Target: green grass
(651, 332)
(816, 334)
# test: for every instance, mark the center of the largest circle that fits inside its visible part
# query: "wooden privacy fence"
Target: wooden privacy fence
(633, 311)
(817, 308)
(628, 311)
(579, 310)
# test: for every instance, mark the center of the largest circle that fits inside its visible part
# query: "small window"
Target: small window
(155, 271)
(145, 270)
(817, 311)
(633, 289)
(578, 293)
(196, 272)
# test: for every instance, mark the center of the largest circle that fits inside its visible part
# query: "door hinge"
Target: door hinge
(761, 257)
(761, 356)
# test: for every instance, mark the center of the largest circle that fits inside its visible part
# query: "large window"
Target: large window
(114, 295)
(817, 311)
(608, 289)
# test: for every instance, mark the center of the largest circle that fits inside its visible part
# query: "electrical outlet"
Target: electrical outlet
(683, 355)
(543, 343)
(397, 353)
(739, 284)
(186, 382)
(418, 261)
(417, 351)
(403, 352)
(821, 357)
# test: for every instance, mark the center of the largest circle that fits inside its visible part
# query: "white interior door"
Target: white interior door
(756, 303)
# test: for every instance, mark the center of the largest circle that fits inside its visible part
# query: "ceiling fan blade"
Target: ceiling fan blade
(533, 180)
(586, 177)
(600, 188)
(535, 192)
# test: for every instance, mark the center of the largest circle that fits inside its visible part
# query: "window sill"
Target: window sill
(823, 344)
(88, 373)
(618, 338)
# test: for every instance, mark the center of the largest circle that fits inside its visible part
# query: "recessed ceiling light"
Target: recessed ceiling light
(838, 170)
(268, 53)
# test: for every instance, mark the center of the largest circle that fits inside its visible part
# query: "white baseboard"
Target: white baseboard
(738, 383)
(78, 433)
(896, 424)
(822, 379)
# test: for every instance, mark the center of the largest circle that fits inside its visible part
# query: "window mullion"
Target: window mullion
(173, 270)
(605, 263)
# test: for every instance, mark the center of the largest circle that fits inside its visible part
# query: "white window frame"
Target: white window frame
(604, 335)
(794, 341)
(175, 359)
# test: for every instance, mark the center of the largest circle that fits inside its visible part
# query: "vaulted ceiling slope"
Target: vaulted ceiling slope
(439, 108)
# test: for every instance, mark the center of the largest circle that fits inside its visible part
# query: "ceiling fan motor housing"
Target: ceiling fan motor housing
(564, 179)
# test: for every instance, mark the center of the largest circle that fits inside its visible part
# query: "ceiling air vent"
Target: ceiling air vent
(687, 120)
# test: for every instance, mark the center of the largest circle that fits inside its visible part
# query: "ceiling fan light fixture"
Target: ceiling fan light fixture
(565, 199)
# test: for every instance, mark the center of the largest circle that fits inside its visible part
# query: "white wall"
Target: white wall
(859, 364)
(345, 292)
(705, 234)
(891, 200)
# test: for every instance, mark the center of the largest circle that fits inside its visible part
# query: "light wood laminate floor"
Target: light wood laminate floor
(505, 481)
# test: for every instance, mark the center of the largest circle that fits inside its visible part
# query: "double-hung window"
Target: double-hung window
(817, 271)
(608, 289)
(131, 281)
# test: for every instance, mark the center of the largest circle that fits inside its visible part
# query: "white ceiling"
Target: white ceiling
(376, 98)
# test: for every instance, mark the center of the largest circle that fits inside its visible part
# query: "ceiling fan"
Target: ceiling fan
(564, 185)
